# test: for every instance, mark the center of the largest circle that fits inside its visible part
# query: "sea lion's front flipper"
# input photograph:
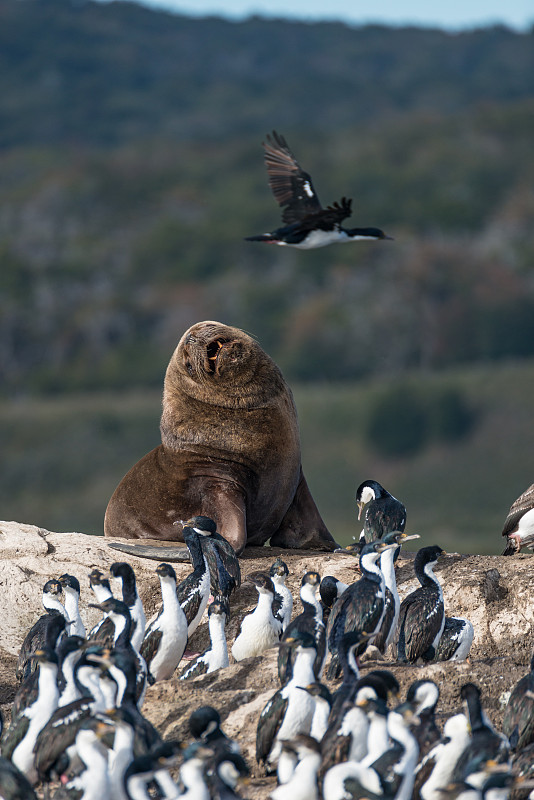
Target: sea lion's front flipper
(224, 502)
(302, 526)
(163, 553)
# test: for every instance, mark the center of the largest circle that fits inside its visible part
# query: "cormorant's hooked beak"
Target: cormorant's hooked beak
(406, 537)
(360, 505)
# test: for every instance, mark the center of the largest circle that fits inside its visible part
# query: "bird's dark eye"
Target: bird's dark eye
(189, 367)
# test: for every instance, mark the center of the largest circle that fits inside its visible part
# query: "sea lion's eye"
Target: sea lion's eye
(189, 367)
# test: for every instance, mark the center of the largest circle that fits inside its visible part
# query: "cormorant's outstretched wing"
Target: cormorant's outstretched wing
(291, 186)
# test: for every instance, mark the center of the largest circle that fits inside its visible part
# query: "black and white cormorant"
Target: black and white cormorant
(122, 664)
(260, 629)
(309, 620)
(348, 645)
(307, 224)
(166, 636)
(194, 590)
(384, 513)
(485, 743)
(54, 747)
(347, 733)
(289, 712)
(69, 651)
(423, 695)
(119, 614)
(167, 754)
(125, 576)
(92, 781)
(303, 783)
(519, 524)
(225, 571)
(103, 630)
(216, 656)
(388, 628)
(143, 771)
(48, 635)
(44, 633)
(14, 785)
(283, 601)
(205, 726)
(422, 612)
(388, 777)
(361, 606)
(323, 706)
(456, 639)
(19, 740)
(518, 720)
(192, 775)
(71, 589)
(225, 775)
(437, 767)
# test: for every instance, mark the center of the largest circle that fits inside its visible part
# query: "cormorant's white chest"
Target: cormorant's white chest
(320, 238)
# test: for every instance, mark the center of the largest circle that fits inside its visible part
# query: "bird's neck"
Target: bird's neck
(136, 788)
(387, 566)
(192, 773)
(102, 593)
(303, 667)
(309, 599)
(426, 576)
(124, 691)
(70, 691)
(217, 634)
(71, 605)
(95, 778)
(474, 708)
(306, 773)
(264, 607)
(52, 604)
(169, 596)
(48, 689)
(377, 738)
(429, 701)
(370, 569)
(408, 762)
(165, 782)
(123, 627)
(120, 758)
(198, 559)
(349, 665)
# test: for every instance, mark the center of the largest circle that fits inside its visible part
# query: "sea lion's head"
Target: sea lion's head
(222, 365)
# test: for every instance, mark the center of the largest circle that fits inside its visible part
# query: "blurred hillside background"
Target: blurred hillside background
(131, 168)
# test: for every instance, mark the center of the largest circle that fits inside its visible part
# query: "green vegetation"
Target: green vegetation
(406, 417)
(62, 458)
(131, 169)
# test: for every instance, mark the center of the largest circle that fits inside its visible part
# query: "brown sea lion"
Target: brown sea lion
(230, 450)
